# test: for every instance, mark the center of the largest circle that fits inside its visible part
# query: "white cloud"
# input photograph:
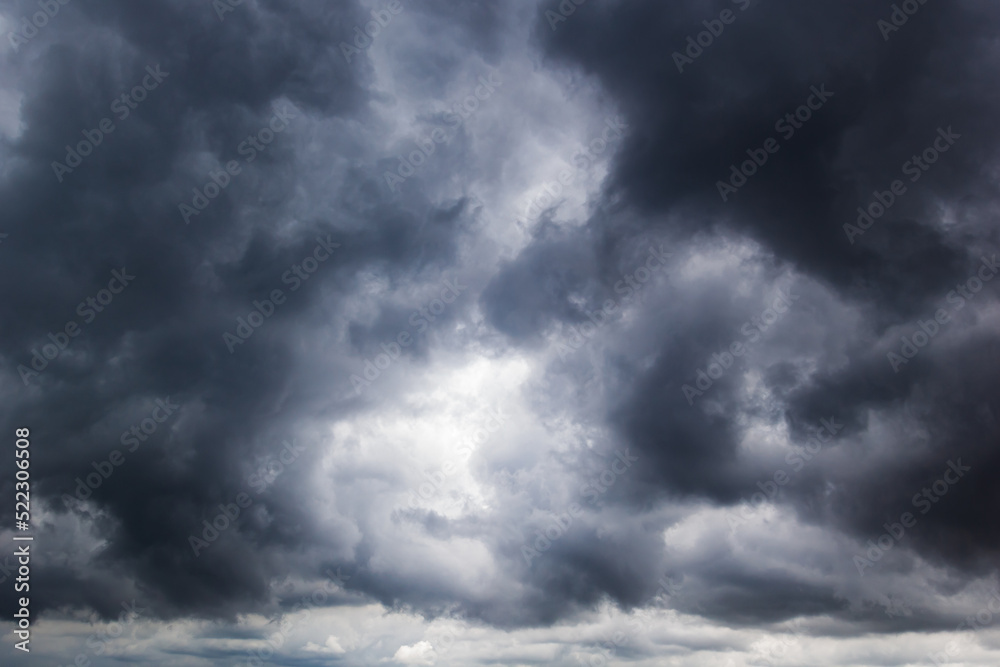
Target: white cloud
(332, 647)
(420, 653)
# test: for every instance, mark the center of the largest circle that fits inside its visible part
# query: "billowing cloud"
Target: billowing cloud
(531, 332)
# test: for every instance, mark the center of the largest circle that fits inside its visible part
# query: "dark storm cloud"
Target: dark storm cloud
(889, 100)
(162, 335)
(532, 292)
(320, 185)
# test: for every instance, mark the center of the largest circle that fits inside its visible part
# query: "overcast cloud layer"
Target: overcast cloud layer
(606, 332)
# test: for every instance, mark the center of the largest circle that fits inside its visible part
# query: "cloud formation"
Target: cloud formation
(535, 332)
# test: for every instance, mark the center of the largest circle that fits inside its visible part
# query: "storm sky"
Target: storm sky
(603, 332)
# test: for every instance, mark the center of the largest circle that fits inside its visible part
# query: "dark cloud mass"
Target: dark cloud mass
(356, 333)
